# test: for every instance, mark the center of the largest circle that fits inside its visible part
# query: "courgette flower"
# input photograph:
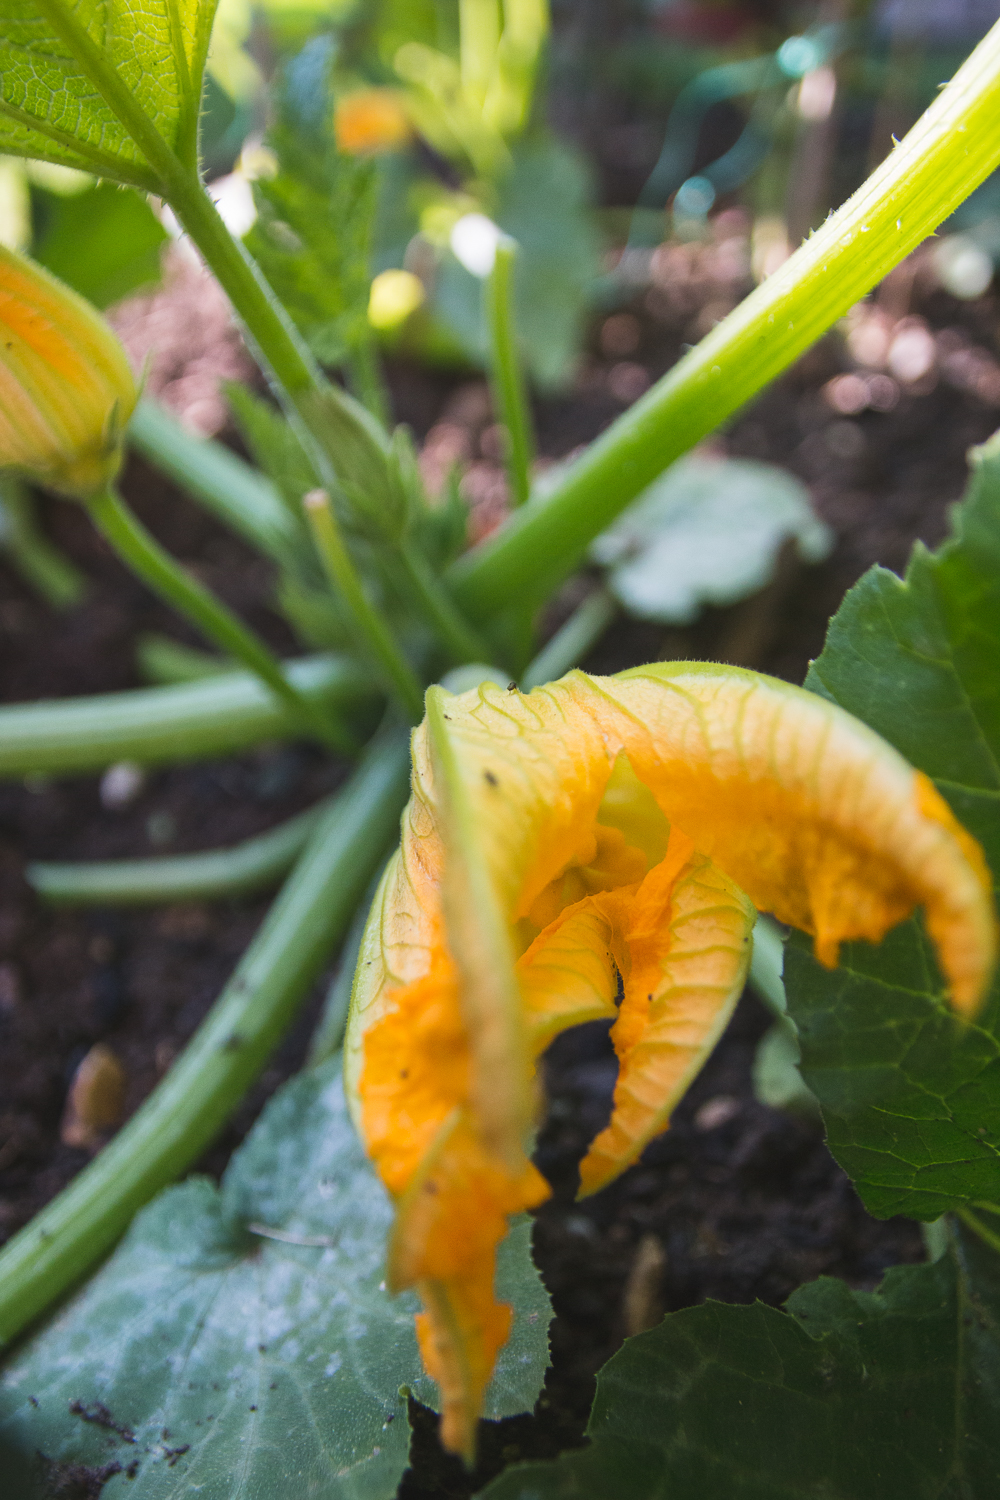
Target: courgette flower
(593, 831)
(66, 388)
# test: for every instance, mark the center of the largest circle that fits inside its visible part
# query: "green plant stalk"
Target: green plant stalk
(185, 1111)
(582, 630)
(988, 1236)
(948, 153)
(162, 660)
(461, 641)
(235, 493)
(397, 672)
(254, 865)
(507, 379)
(146, 558)
(167, 725)
(43, 566)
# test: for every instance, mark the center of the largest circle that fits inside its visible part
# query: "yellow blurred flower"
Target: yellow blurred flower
(370, 121)
(594, 830)
(394, 296)
(66, 388)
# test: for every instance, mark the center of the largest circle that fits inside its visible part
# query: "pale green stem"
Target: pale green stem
(376, 638)
(160, 726)
(509, 396)
(251, 866)
(949, 152)
(188, 1107)
(154, 565)
(43, 566)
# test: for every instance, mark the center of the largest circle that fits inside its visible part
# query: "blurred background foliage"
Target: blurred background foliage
(360, 133)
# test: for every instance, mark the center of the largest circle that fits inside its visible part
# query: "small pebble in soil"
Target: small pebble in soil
(96, 1099)
(121, 784)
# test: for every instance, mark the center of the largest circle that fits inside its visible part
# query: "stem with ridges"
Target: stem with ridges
(187, 1108)
(948, 153)
(143, 554)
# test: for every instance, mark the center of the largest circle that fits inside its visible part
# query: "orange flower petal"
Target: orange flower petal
(595, 828)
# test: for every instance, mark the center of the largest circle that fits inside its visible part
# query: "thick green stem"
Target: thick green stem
(376, 639)
(222, 715)
(144, 555)
(509, 395)
(186, 1110)
(582, 630)
(949, 152)
(251, 866)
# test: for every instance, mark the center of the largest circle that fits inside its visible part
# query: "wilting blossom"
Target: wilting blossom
(597, 832)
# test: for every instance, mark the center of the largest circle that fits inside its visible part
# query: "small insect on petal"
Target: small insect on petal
(66, 389)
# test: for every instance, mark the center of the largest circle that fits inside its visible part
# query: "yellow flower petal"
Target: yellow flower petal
(592, 831)
(66, 389)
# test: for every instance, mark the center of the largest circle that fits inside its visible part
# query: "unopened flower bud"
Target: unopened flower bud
(66, 388)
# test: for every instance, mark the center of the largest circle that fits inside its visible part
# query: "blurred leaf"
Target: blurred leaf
(104, 242)
(708, 531)
(891, 1395)
(274, 447)
(313, 235)
(911, 1100)
(544, 204)
(777, 1080)
(52, 74)
(224, 1363)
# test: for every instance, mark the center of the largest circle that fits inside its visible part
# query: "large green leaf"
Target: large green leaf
(205, 1359)
(892, 1395)
(313, 235)
(911, 1100)
(79, 79)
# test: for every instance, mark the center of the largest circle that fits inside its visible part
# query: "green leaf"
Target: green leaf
(891, 1395)
(708, 531)
(544, 205)
(104, 242)
(911, 1100)
(313, 235)
(242, 1364)
(106, 87)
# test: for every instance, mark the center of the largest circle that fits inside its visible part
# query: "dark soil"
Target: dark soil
(737, 1201)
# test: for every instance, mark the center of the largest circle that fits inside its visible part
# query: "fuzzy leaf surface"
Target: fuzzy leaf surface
(52, 103)
(221, 1363)
(912, 1101)
(891, 1395)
